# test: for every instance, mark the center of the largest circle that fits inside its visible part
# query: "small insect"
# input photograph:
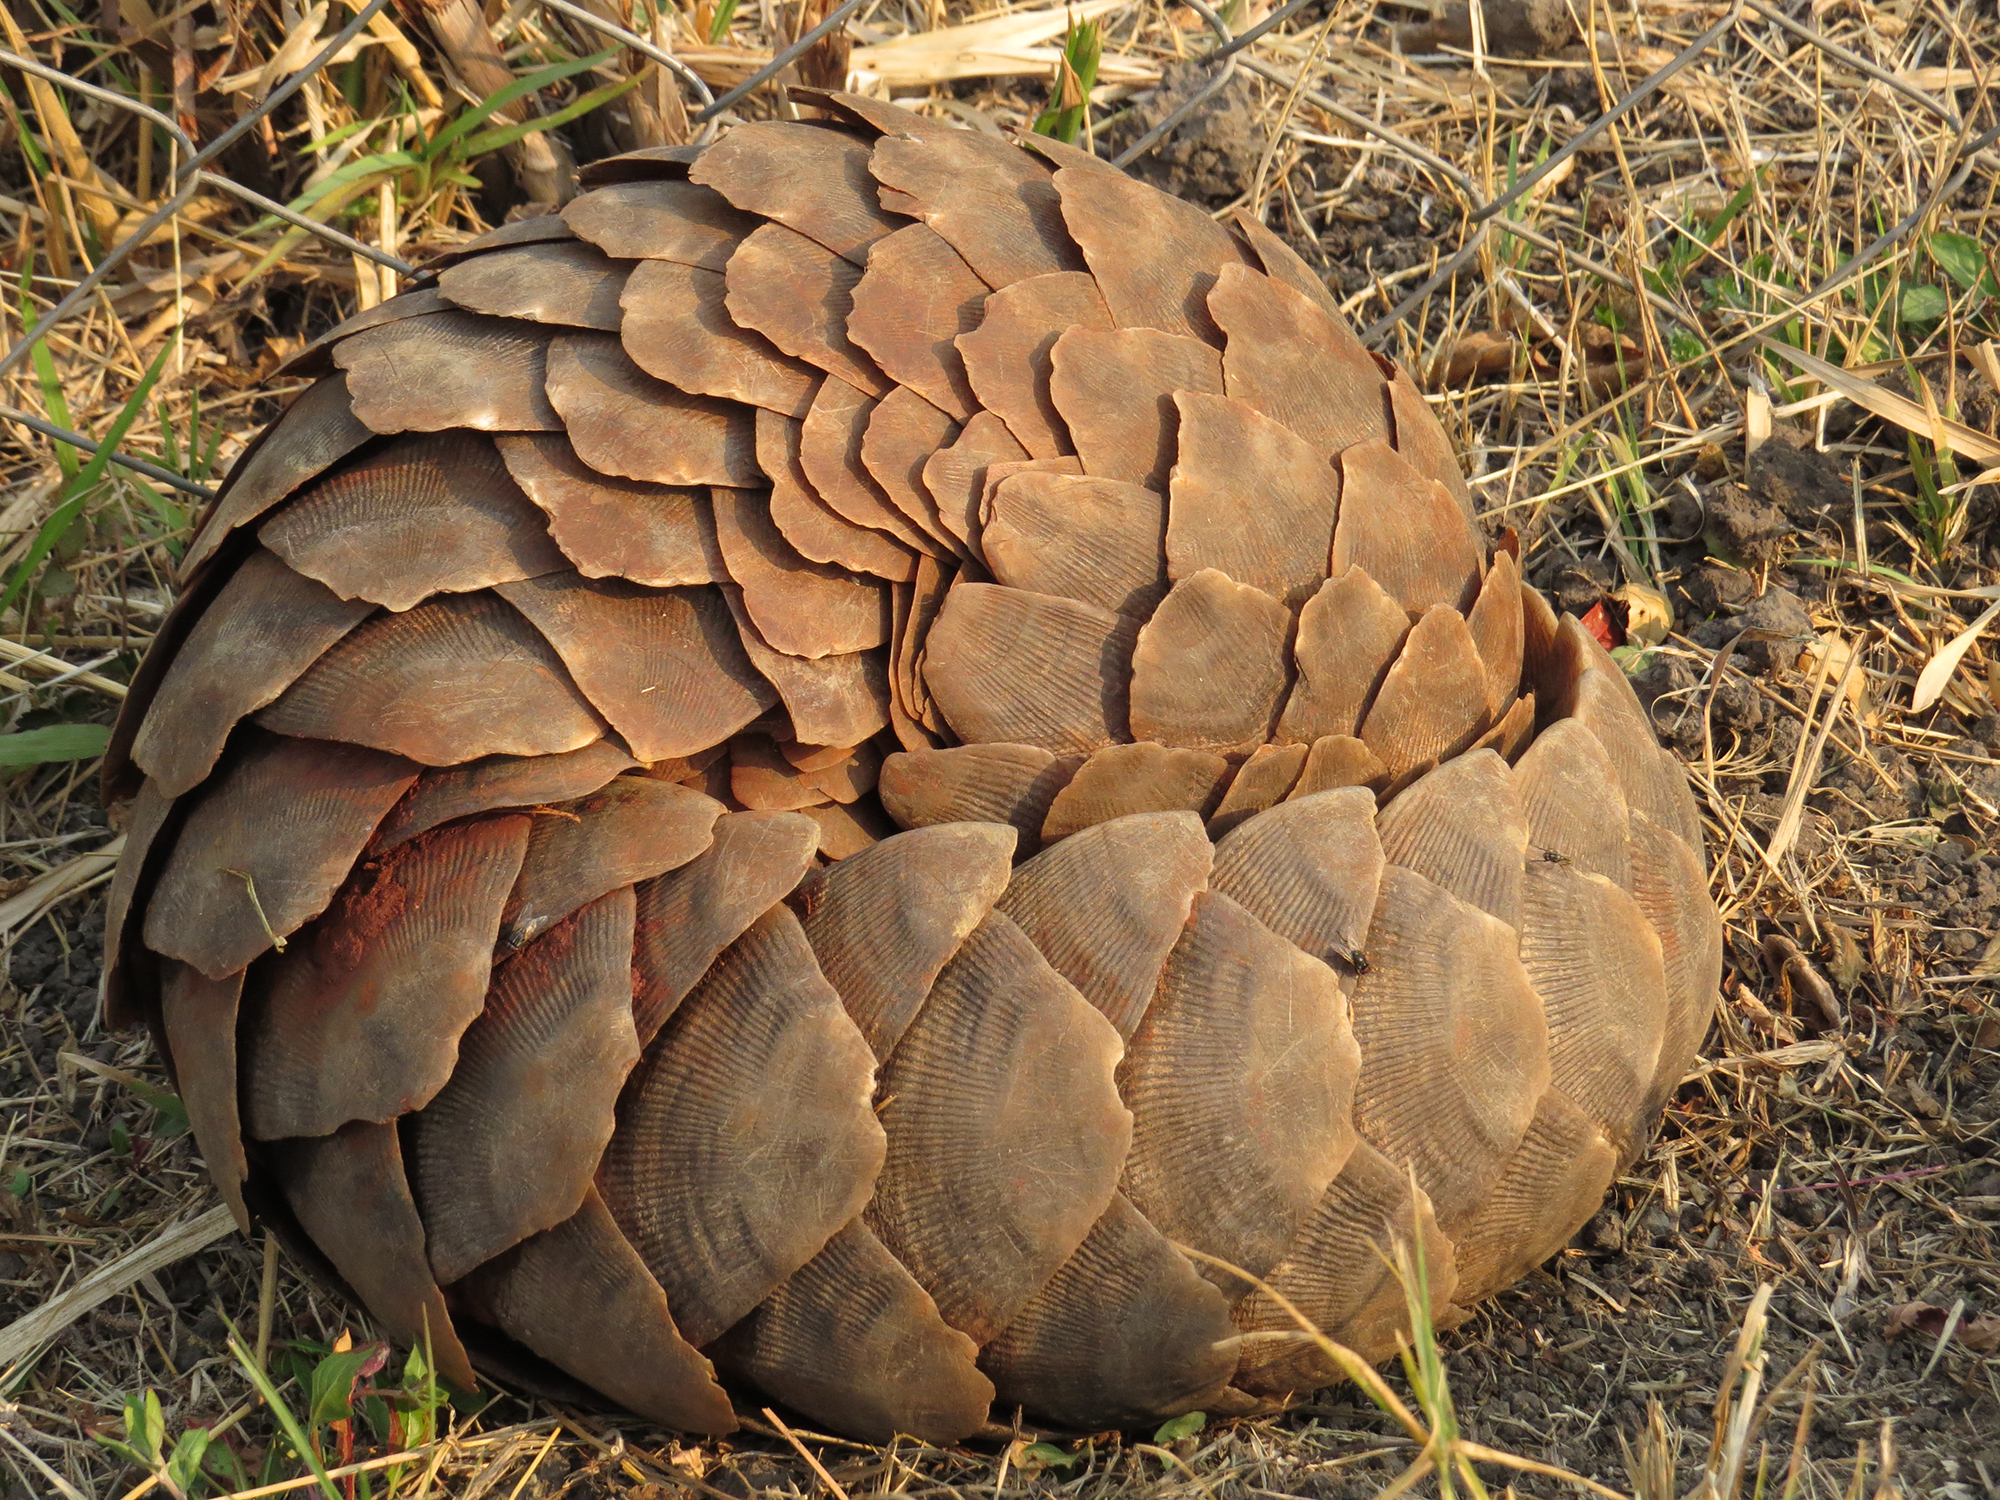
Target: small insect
(1552, 857)
(1356, 960)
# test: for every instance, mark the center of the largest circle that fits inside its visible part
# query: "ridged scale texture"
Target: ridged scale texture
(1282, 878)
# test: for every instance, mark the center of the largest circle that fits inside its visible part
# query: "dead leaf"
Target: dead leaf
(1981, 1335)
(1484, 351)
(1914, 1317)
(1931, 682)
(1889, 406)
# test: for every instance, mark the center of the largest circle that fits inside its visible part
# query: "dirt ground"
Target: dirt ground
(1839, 1142)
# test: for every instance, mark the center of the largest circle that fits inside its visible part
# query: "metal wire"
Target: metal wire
(638, 44)
(1223, 51)
(190, 174)
(781, 61)
(91, 446)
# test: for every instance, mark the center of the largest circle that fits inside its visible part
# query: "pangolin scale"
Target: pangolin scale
(811, 772)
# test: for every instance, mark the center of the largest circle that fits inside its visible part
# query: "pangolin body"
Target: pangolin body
(816, 769)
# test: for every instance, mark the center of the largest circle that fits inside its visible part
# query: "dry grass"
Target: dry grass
(1602, 350)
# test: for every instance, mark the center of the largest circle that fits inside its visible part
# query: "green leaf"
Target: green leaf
(184, 1463)
(170, 1116)
(334, 1378)
(1050, 1455)
(1076, 76)
(1187, 1424)
(1963, 259)
(35, 747)
(520, 88)
(506, 135)
(80, 487)
(20, 1184)
(287, 1420)
(718, 28)
(1923, 303)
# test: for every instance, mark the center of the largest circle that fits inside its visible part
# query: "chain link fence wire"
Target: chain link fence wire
(190, 171)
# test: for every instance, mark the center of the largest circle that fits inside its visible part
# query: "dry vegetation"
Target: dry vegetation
(1727, 365)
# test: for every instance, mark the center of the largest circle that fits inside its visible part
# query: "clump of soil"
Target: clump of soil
(1210, 156)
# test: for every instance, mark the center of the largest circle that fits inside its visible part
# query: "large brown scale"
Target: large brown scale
(514, 870)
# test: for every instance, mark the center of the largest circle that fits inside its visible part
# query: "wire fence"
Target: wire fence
(190, 171)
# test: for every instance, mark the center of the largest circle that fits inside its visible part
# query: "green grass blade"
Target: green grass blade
(506, 135)
(83, 483)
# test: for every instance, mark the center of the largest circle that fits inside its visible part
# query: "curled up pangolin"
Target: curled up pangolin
(798, 775)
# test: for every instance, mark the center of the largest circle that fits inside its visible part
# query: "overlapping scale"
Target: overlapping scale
(660, 220)
(1210, 668)
(904, 430)
(811, 178)
(1340, 1274)
(1422, 441)
(800, 295)
(632, 829)
(508, 1146)
(624, 423)
(1462, 828)
(198, 1016)
(851, 1340)
(1454, 1047)
(316, 432)
(830, 453)
(993, 783)
(1309, 869)
(1123, 1333)
(349, 1194)
(955, 477)
(676, 328)
(746, 1139)
(418, 516)
(657, 534)
(883, 923)
(1121, 780)
(458, 677)
(1672, 890)
(1240, 1080)
(1155, 258)
(686, 917)
(1349, 634)
(1006, 1064)
(800, 607)
(1569, 792)
(555, 281)
(915, 298)
(991, 202)
(1265, 779)
(360, 1017)
(1115, 393)
(495, 782)
(267, 626)
(450, 369)
(1432, 703)
(1595, 960)
(1550, 1187)
(1230, 454)
(265, 846)
(556, 1291)
(1097, 540)
(1009, 666)
(1007, 356)
(1296, 363)
(666, 667)
(1405, 530)
(819, 531)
